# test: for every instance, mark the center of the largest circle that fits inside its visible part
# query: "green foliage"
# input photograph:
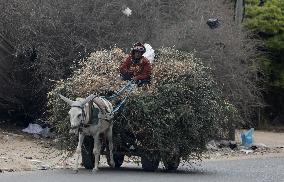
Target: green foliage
(181, 111)
(276, 43)
(268, 22)
(268, 19)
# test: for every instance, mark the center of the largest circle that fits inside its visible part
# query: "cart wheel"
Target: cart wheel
(150, 161)
(88, 157)
(172, 164)
(118, 160)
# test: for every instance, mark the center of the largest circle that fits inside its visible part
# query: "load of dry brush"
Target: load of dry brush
(182, 109)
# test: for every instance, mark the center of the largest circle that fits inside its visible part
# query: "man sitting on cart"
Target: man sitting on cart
(136, 67)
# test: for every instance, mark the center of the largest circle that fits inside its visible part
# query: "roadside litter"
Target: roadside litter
(38, 130)
(127, 11)
(247, 138)
(213, 23)
(246, 151)
(33, 129)
(44, 167)
(215, 145)
(246, 146)
(150, 53)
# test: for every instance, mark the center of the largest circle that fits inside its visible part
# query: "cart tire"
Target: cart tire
(88, 157)
(150, 162)
(118, 160)
(172, 164)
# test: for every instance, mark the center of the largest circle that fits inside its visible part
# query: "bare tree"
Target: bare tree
(228, 49)
(65, 32)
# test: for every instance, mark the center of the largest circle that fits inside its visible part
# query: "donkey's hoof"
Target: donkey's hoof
(112, 164)
(95, 170)
(78, 150)
(75, 171)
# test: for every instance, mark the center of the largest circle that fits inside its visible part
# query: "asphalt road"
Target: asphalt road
(252, 170)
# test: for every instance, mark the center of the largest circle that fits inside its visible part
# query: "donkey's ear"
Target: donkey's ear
(88, 99)
(70, 102)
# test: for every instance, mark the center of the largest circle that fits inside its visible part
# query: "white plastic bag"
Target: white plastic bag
(150, 53)
(33, 129)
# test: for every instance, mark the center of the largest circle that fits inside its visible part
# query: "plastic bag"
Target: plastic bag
(33, 129)
(150, 53)
(247, 138)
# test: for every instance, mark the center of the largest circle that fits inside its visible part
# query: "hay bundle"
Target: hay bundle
(181, 111)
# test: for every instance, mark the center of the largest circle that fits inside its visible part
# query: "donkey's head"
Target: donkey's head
(77, 113)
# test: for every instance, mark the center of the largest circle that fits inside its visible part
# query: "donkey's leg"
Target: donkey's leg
(97, 149)
(110, 145)
(78, 150)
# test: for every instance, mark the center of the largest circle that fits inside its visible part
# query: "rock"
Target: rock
(253, 147)
(46, 133)
(28, 158)
(212, 145)
(44, 167)
(36, 161)
(218, 154)
(246, 151)
(36, 136)
(260, 145)
(224, 143)
(10, 170)
(6, 137)
(212, 142)
(233, 145)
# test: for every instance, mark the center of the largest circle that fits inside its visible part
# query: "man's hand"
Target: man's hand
(135, 81)
(132, 70)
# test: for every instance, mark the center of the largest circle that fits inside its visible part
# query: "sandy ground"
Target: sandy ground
(269, 138)
(25, 152)
(20, 151)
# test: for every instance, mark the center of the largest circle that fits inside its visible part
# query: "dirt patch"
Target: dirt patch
(270, 139)
(20, 151)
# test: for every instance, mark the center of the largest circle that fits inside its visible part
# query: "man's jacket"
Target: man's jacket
(139, 71)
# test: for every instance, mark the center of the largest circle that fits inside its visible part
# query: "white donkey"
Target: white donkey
(80, 121)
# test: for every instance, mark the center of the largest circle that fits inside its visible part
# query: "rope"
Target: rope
(127, 86)
(119, 105)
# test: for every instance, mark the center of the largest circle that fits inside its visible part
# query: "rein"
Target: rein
(128, 88)
(105, 115)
